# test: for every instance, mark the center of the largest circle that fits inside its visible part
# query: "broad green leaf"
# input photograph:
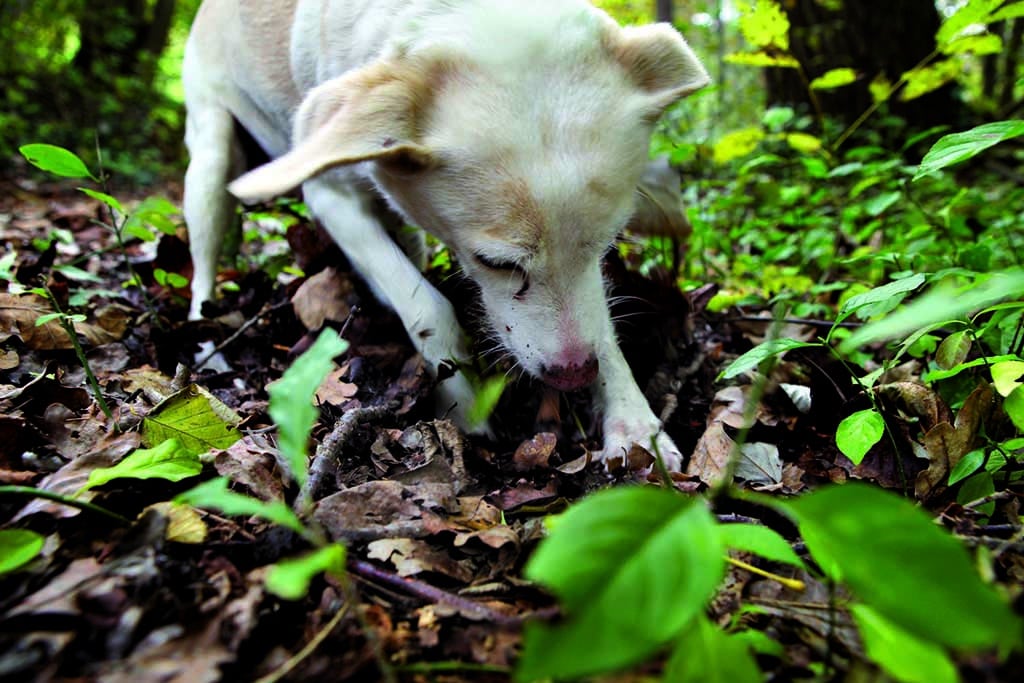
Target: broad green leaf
(880, 88)
(706, 654)
(195, 418)
(1008, 376)
(783, 61)
(858, 432)
(111, 202)
(924, 79)
(971, 13)
(977, 486)
(1014, 407)
(760, 353)
(898, 562)
(984, 44)
(486, 399)
(953, 350)
(902, 655)
(967, 465)
(291, 399)
(936, 375)
(802, 142)
(652, 550)
(289, 579)
(957, 147)
(835, 78)
(881, 203)
(18, 547)
(764, 23)
(760, 540)
(881, 299)
(55, 160)
(166, 461)
(737, 144)
(1011, 11)
(939, 303)
(215, 495)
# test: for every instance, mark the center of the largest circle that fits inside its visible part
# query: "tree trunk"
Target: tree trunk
(664, 10)
(857, 35)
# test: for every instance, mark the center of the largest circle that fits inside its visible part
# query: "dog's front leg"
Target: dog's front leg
(428, 316)
(628, 419)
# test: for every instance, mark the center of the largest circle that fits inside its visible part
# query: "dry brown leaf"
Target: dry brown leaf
(945, 444)
(535, 453)
(323, 297)
(711, 455)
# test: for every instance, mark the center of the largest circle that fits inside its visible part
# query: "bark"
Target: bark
(872, 42)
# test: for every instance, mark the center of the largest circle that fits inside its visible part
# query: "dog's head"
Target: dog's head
(523, 158)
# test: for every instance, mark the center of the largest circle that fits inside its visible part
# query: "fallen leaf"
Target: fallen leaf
(534, 453)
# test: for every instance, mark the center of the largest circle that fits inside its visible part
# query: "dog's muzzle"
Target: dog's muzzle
(572, 376)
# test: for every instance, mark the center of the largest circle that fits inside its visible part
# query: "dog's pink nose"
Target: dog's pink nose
(570, 376)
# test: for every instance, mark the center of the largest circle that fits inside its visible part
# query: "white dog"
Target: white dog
(513, 130)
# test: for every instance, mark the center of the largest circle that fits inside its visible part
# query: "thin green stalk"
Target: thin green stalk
(31, 492)
(69, 329)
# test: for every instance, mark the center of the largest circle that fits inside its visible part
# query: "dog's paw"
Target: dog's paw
(620, 436)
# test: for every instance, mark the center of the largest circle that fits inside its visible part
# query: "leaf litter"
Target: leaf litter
(438, 525)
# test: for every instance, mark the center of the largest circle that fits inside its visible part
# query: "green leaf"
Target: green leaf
(1014, 407)
(167, 461)
(1011, 11)
(760, 540)
(56, 160)
(195, 418)
(105, 198)
(902, 655)
(705, 654)
(737, 144)
(939, 303)
(972, 12)
(953, 350)
(215, 495)
(967, 465)
(18, 547)
(858, 432)
(898, 562)
(802, 142)
(783, 61)
(978, 45)
(936, 375)
(957, 147)
(835, 78)
(976, 487)
(486, 400)
(47, 317)
(289, 579)
(652, 550)
(1007, 376)
(291, 399)
(924, 79)
(881, 299)
(760, 353)
(764, 23)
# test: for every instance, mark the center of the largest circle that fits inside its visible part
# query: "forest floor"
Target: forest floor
(438, 525)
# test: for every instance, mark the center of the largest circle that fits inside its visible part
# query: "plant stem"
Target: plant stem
(69, 329)
(33, 492)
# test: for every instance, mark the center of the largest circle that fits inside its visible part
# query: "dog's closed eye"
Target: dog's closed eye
(507, 266)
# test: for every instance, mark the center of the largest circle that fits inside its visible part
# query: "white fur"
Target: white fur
(514, 131)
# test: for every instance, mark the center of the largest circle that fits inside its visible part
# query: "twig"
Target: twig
(328, 451)
(266, 310)
(307, 649)
(433, 594)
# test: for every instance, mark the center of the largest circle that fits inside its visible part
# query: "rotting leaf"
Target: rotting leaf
(195, 418)
(759, 463)
(946, 444)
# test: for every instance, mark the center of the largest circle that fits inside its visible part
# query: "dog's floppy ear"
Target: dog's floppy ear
(366, 115)
(659, 62)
